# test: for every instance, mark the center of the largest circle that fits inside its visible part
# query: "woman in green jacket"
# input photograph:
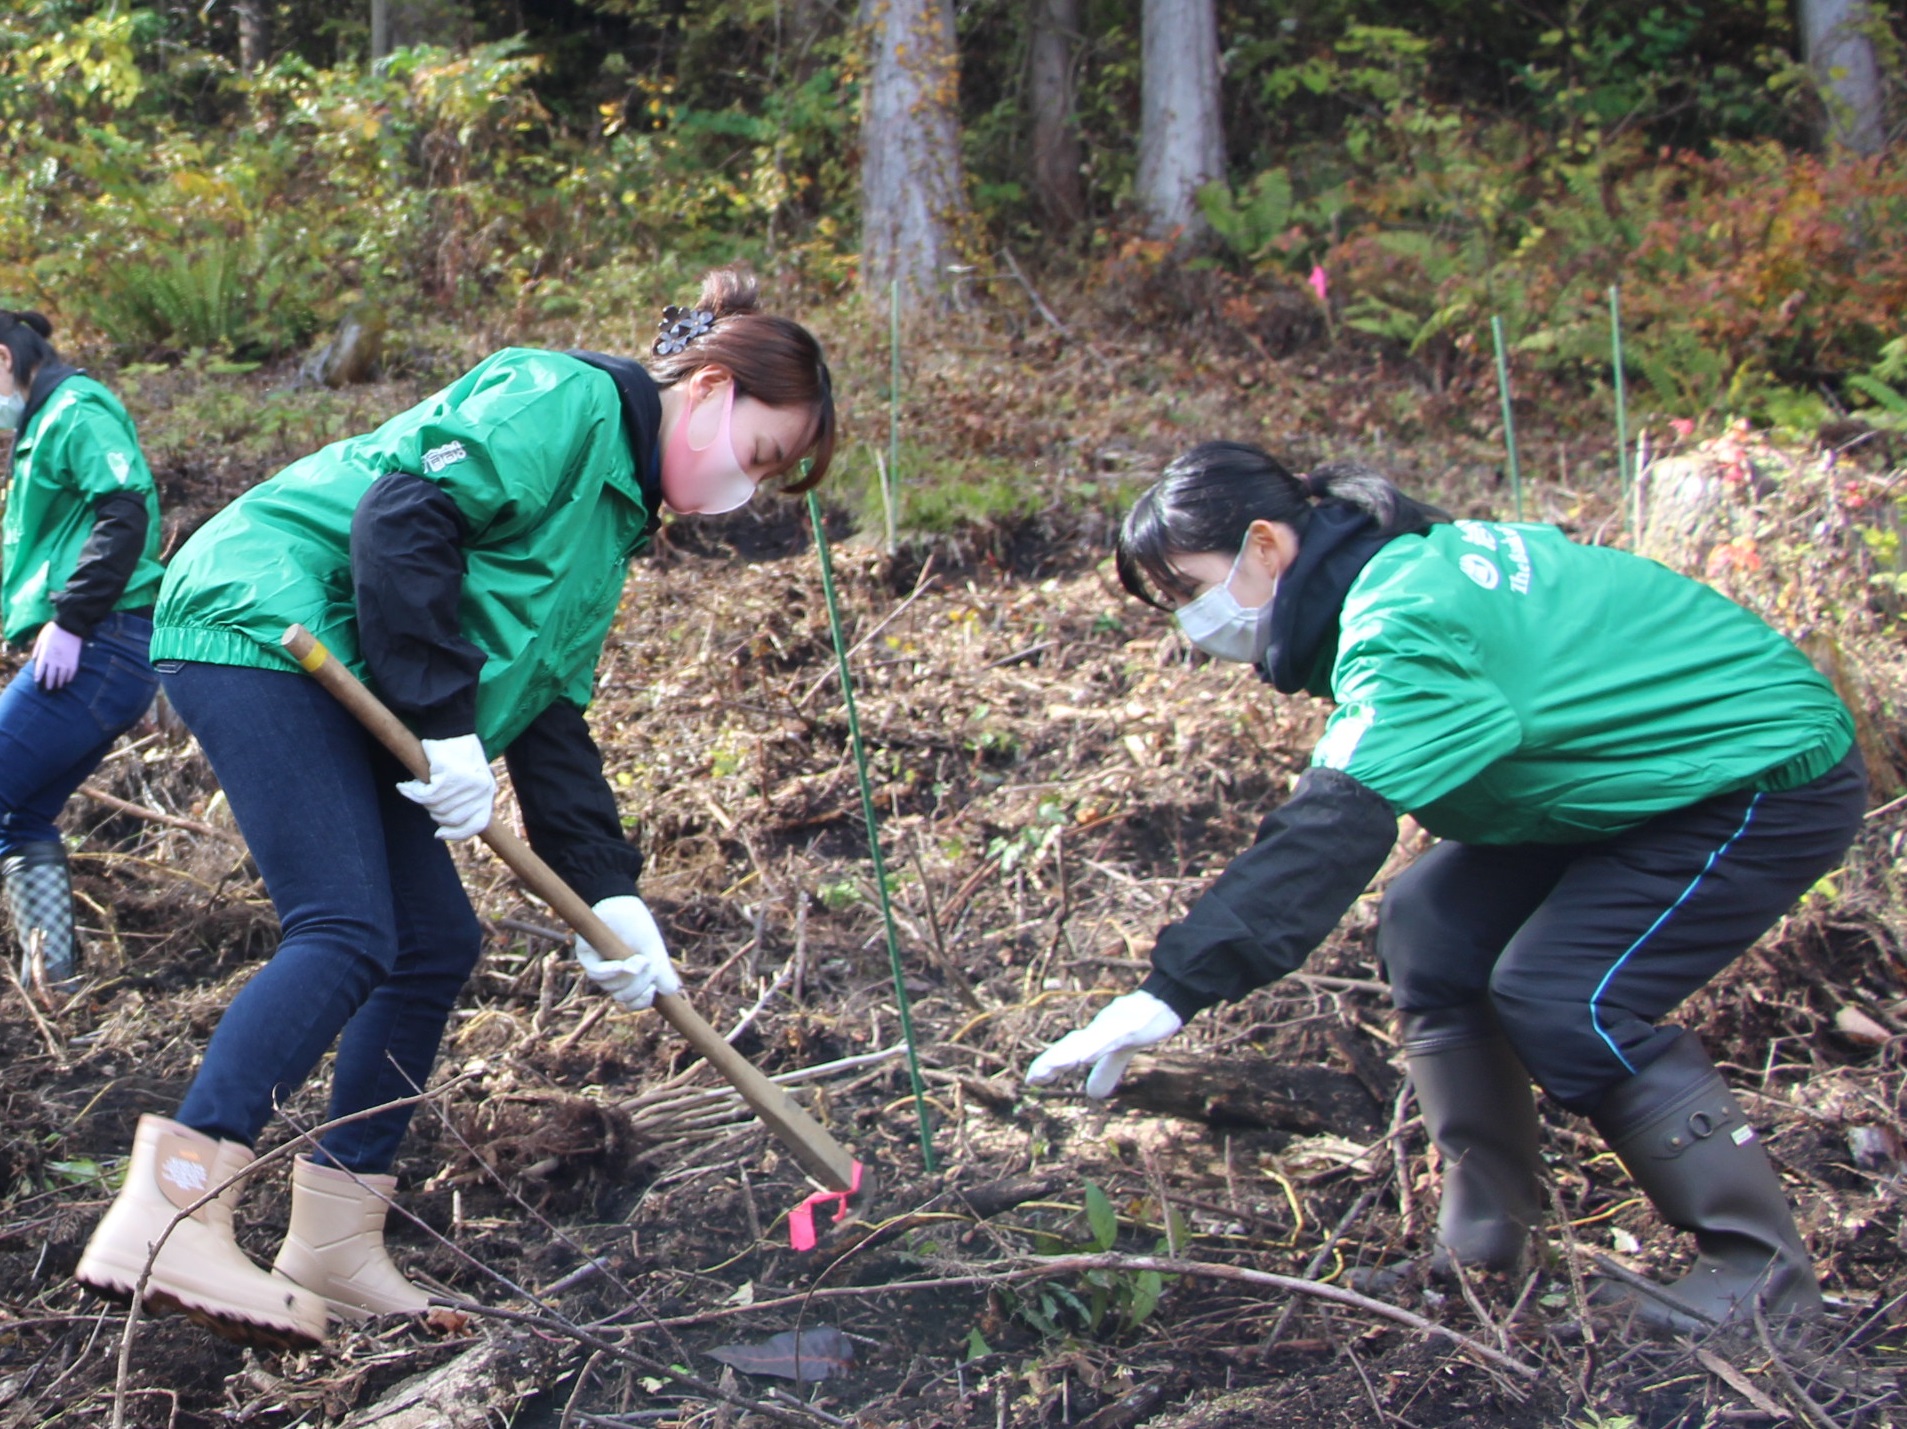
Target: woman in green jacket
(78, 574)
(1631, 777)
(466, 559)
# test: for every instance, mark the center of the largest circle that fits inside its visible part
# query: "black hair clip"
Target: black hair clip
(680, 327)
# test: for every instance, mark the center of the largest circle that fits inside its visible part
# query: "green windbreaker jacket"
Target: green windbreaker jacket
(530, 445)
(1507, 685)
(78, 447)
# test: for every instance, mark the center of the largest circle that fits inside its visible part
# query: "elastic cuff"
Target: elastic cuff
(448, 720)
(593, 890)
(73, 624)
(1176, 996)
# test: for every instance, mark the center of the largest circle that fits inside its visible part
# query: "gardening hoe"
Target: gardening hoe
(819, 1154)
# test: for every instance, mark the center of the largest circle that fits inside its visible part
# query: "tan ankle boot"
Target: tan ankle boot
(199, 1271)
(334, 1246)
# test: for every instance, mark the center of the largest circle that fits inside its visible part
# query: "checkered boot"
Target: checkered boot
(40, 896)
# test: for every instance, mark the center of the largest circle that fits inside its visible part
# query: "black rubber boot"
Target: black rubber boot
(1684, 1139)
(1478, 1108)
(40, 897)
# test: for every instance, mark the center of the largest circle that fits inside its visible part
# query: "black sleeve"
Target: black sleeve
(407, 572)
(1279, 899)
(568, 808)
(106, 563)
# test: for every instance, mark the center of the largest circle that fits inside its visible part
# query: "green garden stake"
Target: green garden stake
(1622, 393)
(873, 834)
(892, 476)
(1509, 422)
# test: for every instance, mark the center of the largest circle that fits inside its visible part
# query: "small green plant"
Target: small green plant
(1125, 1297)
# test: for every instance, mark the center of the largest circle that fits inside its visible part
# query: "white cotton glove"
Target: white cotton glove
(1109, 1042)
(56, 656)
(635, 980)
(461, 787)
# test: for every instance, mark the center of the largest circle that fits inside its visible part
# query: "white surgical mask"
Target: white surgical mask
(12, 408)
(1217, 624)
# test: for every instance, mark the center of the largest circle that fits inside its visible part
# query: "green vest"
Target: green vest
(531, 447)
(79, 447)
(1506, 685)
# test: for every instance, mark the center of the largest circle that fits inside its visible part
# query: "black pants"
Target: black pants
(1583, 947)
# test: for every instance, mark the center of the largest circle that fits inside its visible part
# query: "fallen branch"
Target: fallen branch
(159, 816)
(1165, 1265)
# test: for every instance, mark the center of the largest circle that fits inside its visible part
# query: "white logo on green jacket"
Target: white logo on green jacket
(121, 468)
(449, 454)
(1480, 569)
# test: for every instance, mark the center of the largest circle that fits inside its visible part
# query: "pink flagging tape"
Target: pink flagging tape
(801, 1218)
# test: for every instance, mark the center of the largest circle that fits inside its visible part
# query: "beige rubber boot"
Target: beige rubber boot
(334, 1246)
(200, 1271)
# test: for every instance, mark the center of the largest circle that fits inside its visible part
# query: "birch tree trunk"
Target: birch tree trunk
(1058, 192)
(913, 192)
(1181, 141)
(380, 30)
(1835, 42)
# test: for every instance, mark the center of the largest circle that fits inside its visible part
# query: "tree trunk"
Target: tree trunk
(1058, 192)
(1835, 41)
(1181, 142)
(254, 34)
(913, 193)
(380, 29)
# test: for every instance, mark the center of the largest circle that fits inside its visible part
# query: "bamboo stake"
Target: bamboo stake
(1622, 394)
(873, 837)
(1509, 420)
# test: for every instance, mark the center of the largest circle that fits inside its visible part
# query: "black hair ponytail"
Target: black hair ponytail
(1207, 498)
(28, 336)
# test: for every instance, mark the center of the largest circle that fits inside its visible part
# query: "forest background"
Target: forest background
(217, 201)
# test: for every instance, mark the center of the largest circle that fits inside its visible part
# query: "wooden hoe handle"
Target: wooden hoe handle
(820, 1155)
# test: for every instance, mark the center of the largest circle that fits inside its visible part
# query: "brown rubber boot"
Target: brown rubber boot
(1478, 1108)
(335, 1244)
(199, 1271)
(1680, 1133)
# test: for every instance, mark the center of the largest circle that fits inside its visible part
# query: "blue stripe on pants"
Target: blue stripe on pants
(1595, 1012)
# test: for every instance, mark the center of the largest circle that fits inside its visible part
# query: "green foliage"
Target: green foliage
(211, 291)
(1124, 1297)
(1265, 224)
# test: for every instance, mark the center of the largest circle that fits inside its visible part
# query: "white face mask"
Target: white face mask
(1217, 624)
(12, 408)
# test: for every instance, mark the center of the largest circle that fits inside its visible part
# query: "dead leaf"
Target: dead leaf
(1876, 1148)
(805, 1356)
(1857, 1026)
(441, 1321)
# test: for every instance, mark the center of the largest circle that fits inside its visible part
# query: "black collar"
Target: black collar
(642, 423)
(1334, 547)
(51, 374)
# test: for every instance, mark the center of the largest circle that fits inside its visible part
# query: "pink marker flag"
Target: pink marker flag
(1320, 284)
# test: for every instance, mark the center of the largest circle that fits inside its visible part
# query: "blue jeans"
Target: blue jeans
(50, 740)
(376, 935)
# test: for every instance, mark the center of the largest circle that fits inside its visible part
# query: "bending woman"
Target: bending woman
(78, 575)
(1632, 778)
(467, 559)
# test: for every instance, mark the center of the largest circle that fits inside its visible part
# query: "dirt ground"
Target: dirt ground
(1055, 777)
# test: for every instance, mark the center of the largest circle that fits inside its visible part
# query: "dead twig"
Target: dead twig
(160, 816)
(1802, 1402)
